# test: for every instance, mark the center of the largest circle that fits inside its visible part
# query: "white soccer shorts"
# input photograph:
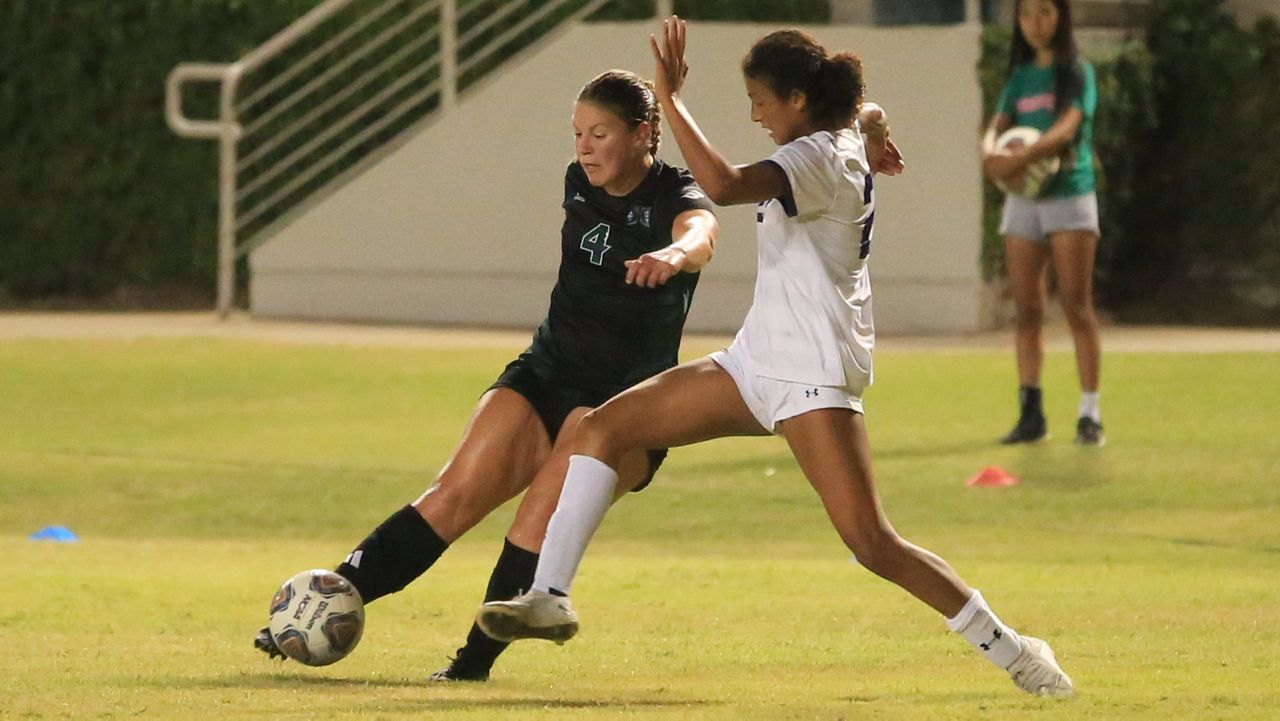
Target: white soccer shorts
(772, 401)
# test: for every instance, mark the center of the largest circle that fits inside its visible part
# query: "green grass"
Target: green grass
(200, 473)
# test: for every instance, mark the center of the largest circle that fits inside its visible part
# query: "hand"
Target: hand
(874, 122)
(884, 156)
(654, 269)
(1003, 165)
(668, 53)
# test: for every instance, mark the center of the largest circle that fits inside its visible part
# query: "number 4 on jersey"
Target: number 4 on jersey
(596, 242)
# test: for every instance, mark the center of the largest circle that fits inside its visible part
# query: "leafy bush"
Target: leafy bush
(1202, 237)
(95, 190)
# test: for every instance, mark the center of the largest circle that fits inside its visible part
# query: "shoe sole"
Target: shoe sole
(503, 624)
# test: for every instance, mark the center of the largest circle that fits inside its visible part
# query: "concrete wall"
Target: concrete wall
(461, 223)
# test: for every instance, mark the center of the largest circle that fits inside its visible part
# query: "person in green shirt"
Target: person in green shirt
(1050, 88)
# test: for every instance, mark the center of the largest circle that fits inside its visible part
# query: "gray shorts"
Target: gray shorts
(1036, 219)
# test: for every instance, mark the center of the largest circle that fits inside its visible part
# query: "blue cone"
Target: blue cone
(61, 534)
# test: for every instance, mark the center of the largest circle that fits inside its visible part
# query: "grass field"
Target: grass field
(200, 473)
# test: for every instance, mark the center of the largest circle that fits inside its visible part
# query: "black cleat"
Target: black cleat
(1030, 428)
(460, 670)
(264, 643)
(1089, 433)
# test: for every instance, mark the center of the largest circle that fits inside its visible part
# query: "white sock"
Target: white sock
(585, 498)
(1089, 406)
(984, 630)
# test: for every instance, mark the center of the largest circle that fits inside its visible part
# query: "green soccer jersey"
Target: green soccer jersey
(1028, 100)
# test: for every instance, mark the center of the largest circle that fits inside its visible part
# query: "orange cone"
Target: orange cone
(992, 476)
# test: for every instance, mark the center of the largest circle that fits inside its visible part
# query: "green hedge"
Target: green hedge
(1188, 144)
(1203, 230)
(95, 191)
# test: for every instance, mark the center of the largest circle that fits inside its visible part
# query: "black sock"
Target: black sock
(512, 575)
(398, 551)
(1030, 401)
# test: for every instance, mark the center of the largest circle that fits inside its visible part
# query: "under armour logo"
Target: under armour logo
(994, 637)
(811, 393)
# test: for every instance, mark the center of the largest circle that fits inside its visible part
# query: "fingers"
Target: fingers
(647, 272)
(673, 34)
(674, 51)
(895, 155)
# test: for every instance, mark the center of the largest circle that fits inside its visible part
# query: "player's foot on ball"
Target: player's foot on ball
(1029, 429)
(264, 643)
(536, 614)
(1036, 670)
(1089, 432)
(459, 670)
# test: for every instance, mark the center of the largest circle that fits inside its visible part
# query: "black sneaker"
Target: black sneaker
(1030, 428)
(459, 670)
(264, 643)
(1089, 432)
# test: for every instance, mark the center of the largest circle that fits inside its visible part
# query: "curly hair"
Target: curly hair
(791, 61)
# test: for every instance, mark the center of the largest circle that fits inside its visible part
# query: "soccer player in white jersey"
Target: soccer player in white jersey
(801, 361)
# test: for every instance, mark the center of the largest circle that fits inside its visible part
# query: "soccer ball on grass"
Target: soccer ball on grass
(317, 617)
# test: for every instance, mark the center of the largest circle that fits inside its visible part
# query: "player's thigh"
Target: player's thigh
(503, 446)
(540, 500)
(693, 402)
(833, 452)
(1073, 260)
(1025, 261)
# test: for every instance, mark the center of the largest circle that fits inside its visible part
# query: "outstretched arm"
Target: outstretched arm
(695, 233)
(724, 183)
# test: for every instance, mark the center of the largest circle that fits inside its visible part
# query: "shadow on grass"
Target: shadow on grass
(909, 453)
(754, 464)
(282, 681)
(428, 701)
(528, 703)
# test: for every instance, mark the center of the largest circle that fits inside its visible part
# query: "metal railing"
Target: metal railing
(336, 85)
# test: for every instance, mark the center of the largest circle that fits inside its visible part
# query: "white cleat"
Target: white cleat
(536, 614)
(1036, 670)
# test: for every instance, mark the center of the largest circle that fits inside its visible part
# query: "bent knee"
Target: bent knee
(453, 507)
(597, 435)
(879, 551)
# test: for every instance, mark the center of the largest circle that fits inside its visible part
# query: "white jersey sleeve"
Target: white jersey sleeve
(817, 174)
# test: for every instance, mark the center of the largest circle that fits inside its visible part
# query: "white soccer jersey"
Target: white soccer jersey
(810, 321)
